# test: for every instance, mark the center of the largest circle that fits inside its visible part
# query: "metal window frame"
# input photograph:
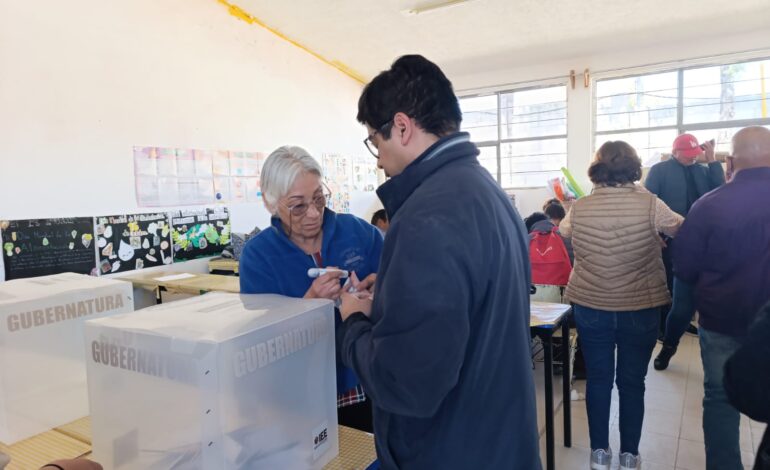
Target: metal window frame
(680, 126)
(499, 142)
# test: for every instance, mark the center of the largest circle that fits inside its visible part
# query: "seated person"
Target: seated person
(533, 219)
(305, 234)
(554, 210)
(380, 220)
(545, 222)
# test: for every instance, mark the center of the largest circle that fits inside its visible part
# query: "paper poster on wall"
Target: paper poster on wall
(39, 247)
(337, 175)
(178, 176)
(199, 233)
(135, 241)
(365, 173)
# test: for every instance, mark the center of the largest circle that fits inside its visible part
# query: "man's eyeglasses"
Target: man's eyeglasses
(369, 141)
(300, 209)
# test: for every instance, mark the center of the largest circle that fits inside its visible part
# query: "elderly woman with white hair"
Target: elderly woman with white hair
(305, 234)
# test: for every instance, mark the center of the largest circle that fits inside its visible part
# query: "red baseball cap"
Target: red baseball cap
(687, 146)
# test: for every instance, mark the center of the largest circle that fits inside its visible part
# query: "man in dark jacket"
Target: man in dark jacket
(679, 182)
(722, 250)
(747, 380)
(443, 350)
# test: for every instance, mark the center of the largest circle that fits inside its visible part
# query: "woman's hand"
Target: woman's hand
(356, 302)
(326, 286)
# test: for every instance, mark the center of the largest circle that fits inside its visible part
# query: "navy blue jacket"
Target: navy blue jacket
(273, 264)
(667, 180)
(723, 248)
(445, 356)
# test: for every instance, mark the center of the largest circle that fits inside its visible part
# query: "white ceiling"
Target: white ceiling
(367, 35)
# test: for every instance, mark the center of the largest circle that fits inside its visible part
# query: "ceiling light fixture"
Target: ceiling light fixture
(431, 7)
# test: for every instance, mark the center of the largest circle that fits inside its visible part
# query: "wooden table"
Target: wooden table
(545, 319)
(192, 283)
(223, 264)
(73, 440)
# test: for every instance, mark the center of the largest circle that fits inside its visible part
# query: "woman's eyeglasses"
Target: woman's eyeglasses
(300, 209)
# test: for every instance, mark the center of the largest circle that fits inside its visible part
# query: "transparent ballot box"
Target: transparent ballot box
(42, 358)
(220, 381)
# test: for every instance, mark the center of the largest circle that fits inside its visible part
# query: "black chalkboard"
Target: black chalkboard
(135, 241)
(198, 233)
(39, 247)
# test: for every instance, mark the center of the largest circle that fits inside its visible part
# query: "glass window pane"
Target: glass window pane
(488, 159)
(480, 117)
(530, 180)
(727, 92)
(531, 163)
(533, 113)
(649, 145)
(636, 102)
(723, 137)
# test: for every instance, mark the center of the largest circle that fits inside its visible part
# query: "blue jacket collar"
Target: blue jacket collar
(394, 192)
(328, 227)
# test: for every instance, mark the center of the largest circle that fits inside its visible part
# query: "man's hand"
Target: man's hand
(326, 286)
(356, 302)
(708, 148)
(367, 285)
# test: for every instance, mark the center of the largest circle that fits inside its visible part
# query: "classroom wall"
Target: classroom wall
(579, 100)
(83, 81)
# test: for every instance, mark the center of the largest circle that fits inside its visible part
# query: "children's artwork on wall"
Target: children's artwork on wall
(237, 176)
(337, 175)
(179, 177)
(172, 177)
(365, 173)
(136, 241)
(39, 247)
(199, 233)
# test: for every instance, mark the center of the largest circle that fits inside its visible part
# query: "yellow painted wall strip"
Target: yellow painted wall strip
(242, 15)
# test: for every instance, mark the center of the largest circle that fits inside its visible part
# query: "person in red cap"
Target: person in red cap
(679, 182)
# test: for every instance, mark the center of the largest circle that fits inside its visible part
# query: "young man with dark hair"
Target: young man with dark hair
(443, 349)
(380, 220)
(555, 213)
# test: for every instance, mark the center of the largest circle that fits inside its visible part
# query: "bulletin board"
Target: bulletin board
(199, 233)
(133, 241)
(39, 247)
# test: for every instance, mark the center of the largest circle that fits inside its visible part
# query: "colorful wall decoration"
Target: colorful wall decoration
(337, 171)
(180, 177)
(199, 233)
(39, 247)
(135, 241)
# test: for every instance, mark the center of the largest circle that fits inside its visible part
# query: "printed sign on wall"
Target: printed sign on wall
(136, 241)
(199, 233)
(39, 247)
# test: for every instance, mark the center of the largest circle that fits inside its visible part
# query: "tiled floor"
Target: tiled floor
(672, 437)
